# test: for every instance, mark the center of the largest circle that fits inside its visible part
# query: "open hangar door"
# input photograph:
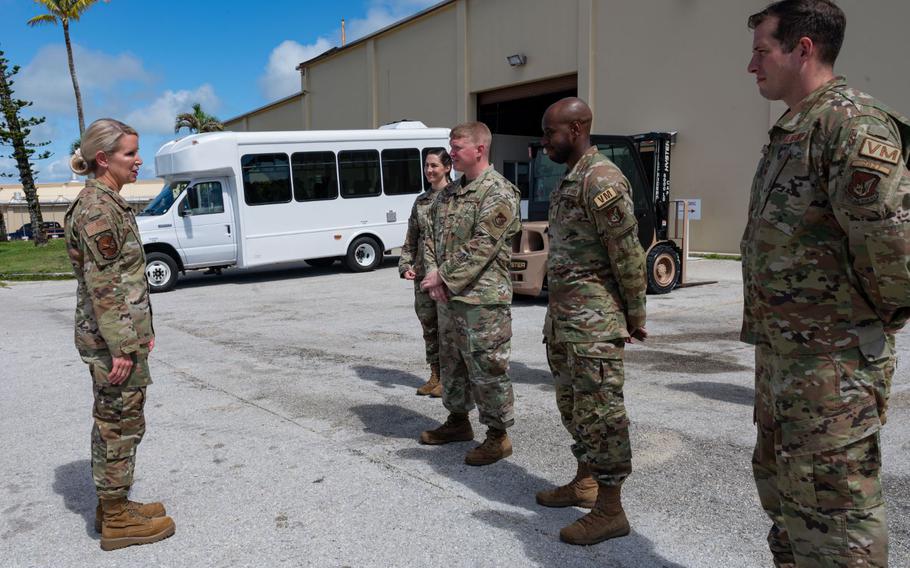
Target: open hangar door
(513, 115)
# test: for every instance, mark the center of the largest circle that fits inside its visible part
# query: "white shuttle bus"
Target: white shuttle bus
(248, 199)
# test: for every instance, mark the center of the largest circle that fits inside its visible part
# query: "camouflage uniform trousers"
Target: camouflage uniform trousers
(425, 308)
(589, 381)
(474, 348)
(119, 424)
(817, 459)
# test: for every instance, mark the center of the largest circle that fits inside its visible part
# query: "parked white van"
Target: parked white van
(250, 199)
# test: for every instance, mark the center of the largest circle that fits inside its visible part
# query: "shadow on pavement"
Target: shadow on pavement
(391, 421)
(73, 482)
(631, 550)
(521, 373)
(280, 272)
(508, 483)
(718, 391)
(388, 378)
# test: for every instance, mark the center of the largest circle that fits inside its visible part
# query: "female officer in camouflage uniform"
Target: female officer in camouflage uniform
(114, 333)
(437, 168)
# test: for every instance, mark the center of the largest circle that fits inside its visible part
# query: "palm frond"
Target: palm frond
(42, 19)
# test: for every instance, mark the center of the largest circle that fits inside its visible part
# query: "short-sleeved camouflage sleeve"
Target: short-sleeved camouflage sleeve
(610, 204)
(870, 196)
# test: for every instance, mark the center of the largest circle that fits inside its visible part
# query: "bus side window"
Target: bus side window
(359, 173)
(401, 171)
(266, 178)
(315, 176)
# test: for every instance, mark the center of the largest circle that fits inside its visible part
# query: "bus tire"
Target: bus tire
(364, 255)
(663, 268)
(321, 262)
(160, 271)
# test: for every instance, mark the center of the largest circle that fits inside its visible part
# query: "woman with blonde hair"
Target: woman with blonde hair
(437, 168)
(114, 333)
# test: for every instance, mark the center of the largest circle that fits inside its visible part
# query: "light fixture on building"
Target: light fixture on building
(517, 60)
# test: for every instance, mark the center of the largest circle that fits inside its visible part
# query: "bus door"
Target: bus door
(205, 224)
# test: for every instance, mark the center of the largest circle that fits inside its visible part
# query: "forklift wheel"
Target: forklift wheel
(663, 268)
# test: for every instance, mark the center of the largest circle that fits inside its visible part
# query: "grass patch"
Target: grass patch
(22, 260)
(716, 256)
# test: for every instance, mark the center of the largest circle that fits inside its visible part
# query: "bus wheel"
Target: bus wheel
(160, 271)
(321, 262)
(663, 269)
(363, 255)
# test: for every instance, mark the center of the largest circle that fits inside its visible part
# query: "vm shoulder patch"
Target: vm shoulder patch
(606, 197)
(879, 150)
(99, 225)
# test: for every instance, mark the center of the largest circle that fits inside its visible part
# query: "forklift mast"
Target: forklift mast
(654, 150)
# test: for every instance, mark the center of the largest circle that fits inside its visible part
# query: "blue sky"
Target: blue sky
(144, 61)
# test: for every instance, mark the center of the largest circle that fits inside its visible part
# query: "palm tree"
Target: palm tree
(197, 121)
(66, 11)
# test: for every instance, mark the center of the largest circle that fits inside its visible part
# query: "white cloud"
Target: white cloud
(46, 79)
(55, 170)
(159, 116)
(281, 78)
(382, 13)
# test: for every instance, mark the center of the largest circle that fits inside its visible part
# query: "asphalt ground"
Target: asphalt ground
(282, 431)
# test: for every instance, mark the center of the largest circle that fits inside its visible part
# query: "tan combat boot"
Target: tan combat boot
(605, 521)
(149, 510)
(580, 492)
(496, 446)
(457, 428)
(430, 386)
(123, 526)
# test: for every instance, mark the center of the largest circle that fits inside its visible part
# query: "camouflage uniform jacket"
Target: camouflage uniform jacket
(826, 249)
(418, 228)
(471, 238)
(596, 265)
(112, 306)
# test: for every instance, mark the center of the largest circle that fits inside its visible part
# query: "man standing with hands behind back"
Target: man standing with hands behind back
(596, 274)
(467, 262)
(826, 285)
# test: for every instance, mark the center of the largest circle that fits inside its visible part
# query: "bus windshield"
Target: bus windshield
(165, 199)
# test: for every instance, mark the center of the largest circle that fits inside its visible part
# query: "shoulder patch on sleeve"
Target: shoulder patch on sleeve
(499, 220)
(606, 197)
(615, 216)
(99, 225)
(879, 150)
(863, 187)
(107, 246)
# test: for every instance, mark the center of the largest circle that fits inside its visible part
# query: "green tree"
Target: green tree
(14, 132)
(64, 12)
(197, 121)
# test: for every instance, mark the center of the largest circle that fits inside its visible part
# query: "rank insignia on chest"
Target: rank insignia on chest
(605, 197)
(863, 187)
(615, 216)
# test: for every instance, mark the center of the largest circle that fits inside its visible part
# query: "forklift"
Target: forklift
(645, 161)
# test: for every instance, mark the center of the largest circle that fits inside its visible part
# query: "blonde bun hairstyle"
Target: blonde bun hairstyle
(78, 164)
(103, 135)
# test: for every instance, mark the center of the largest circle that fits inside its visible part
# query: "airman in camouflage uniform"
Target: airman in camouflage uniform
(826, 283)
(468, 252)
(596, 276)
(412, 252)
(114, 334)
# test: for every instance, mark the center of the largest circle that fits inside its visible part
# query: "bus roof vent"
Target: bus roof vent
(403, 125)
